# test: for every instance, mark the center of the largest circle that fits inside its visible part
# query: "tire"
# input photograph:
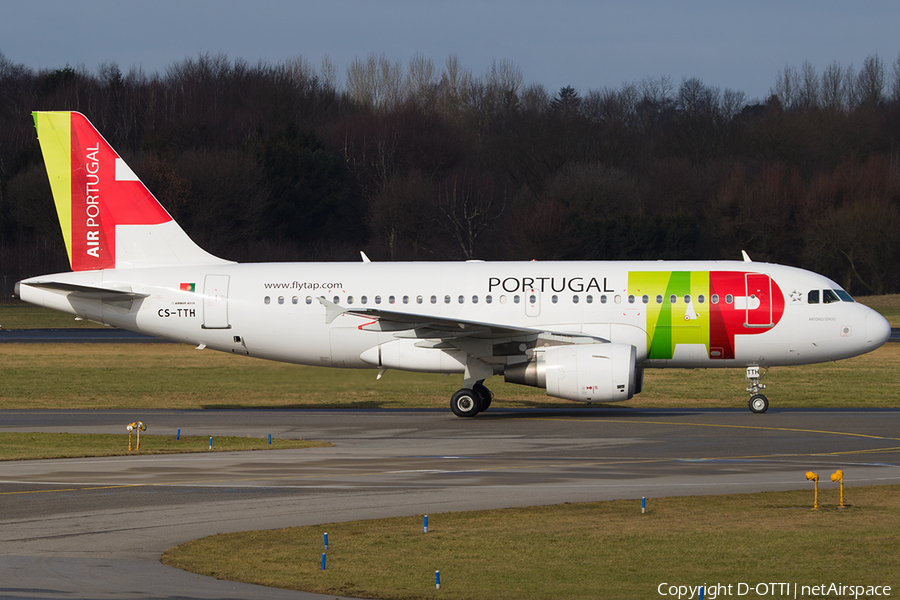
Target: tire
(759, 404)
(465, 403)
(484, 396)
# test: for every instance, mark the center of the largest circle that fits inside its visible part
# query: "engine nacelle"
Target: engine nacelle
(581, 372)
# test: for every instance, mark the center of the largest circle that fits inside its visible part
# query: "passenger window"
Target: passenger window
(488, 299)
(659, 299)
(630, 299)
(673, 299)
(280, 299)
(390, 299)
(701, 299)
(377, 299)
(405, 299)
(446, 299)
(419, 299)
(714, 298)
(309, 299)
(434, 299)
(363, 299)
(603, 299)
(554, 299)
(295, 300)
(532, 299)
(461, 299)
(349, 299)
(474, 299)
(575, 299)
(267, 299)
(645, 299)
(589, 299)
(828, 296)
(337, 300)
(813, 297)
(729, 299)
(516, 299)
(687, 298)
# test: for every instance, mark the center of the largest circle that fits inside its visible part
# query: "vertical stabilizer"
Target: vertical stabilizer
(109, 219)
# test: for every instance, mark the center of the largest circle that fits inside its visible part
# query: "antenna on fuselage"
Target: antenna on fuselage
(746, 256)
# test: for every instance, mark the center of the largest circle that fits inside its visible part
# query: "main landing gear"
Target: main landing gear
(758, 403)
(468, 402)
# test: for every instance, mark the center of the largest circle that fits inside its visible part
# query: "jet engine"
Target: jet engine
(581, 372)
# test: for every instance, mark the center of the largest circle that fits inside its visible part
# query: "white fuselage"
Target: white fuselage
(664, 309)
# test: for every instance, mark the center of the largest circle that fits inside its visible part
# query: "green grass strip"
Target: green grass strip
(594, 550)
(29, 446)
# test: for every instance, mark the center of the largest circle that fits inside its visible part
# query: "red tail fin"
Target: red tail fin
(108, 217)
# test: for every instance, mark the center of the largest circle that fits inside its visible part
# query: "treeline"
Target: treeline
(423, 162)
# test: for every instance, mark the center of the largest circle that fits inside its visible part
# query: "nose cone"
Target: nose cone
(878, 330)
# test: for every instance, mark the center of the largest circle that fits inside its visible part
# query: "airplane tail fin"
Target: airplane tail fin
(109, 219)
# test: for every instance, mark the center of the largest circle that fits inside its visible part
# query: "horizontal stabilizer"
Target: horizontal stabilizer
(98, 293)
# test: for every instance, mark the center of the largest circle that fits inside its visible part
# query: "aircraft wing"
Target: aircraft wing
(454, 332)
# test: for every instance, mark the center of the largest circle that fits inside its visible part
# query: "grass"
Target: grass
(19, 315)
(173, 376)
(594, 550)
(888, 306)
(28, 446)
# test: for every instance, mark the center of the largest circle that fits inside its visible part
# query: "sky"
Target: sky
(588, 44)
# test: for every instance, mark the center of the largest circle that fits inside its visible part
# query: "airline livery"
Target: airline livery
(583, 331)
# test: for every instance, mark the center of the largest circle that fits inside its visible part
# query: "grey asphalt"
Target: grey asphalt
(95, 528)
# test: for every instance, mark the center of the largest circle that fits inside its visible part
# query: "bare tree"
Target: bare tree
(870, 82)
(808, 95)
(328, 73)
(468, 205)
(421, 80)
(535, 99)
(851, 88)
(455, 87)
(375, 82)
(833, 92)
(787, 87)
(496, 92)
(895, 80)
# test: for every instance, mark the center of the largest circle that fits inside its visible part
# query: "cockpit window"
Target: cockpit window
(844, 296)
(813, 297)
(829, 296)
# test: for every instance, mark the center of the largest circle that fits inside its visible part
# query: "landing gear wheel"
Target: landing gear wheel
(759, 403)
(484, 396)
(465, 403)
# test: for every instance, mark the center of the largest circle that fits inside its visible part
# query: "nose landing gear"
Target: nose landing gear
(758, 403)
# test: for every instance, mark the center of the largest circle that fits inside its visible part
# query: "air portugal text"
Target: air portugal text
(92, 200)
(548, 284)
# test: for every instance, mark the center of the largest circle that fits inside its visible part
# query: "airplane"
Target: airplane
(583, 331)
